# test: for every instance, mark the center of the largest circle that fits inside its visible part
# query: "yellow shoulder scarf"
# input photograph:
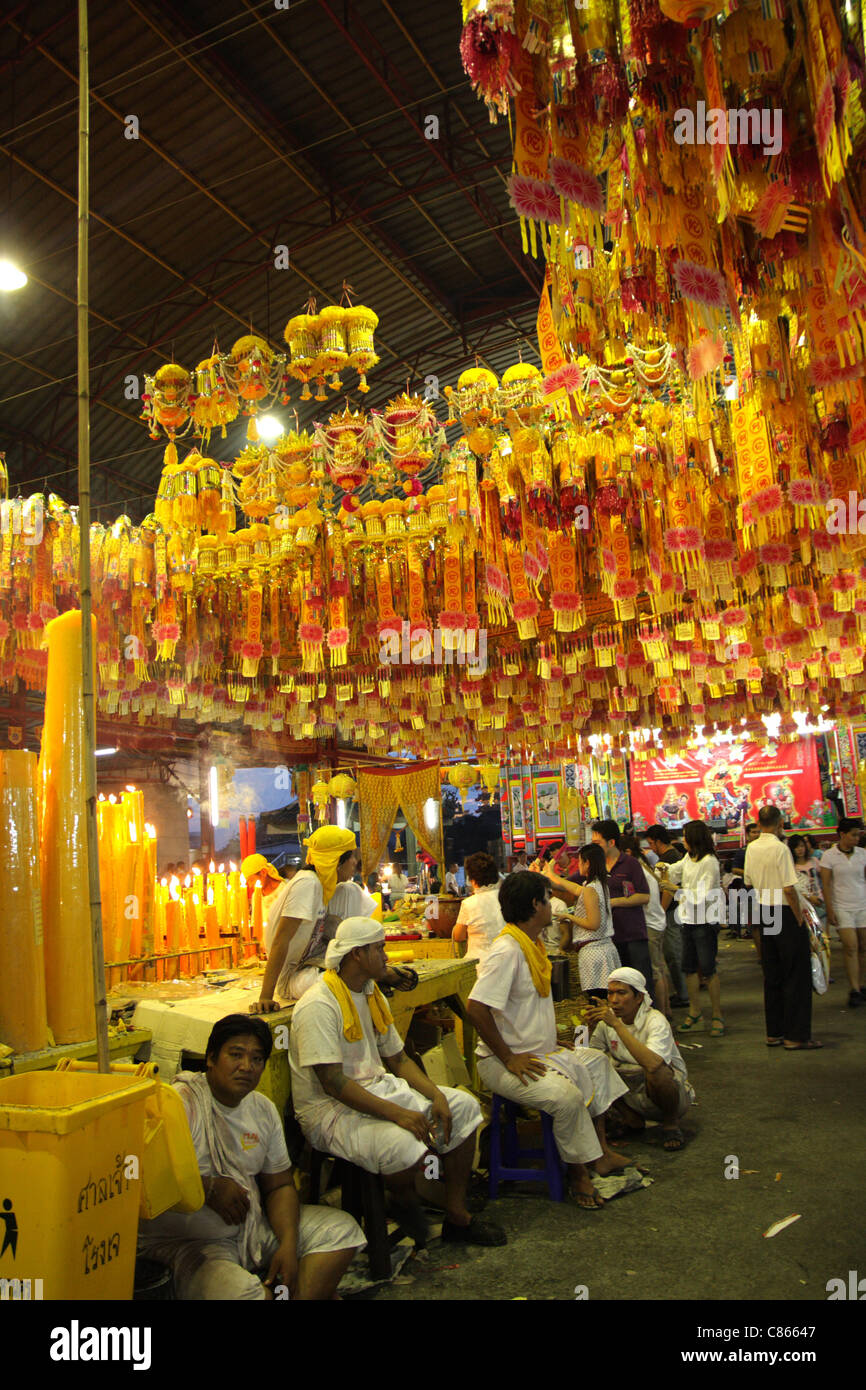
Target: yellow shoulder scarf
(536, 957)
(379, 1011)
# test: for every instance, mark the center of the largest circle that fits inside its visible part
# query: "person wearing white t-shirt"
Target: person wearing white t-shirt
(843, 874)
(641, 1042)
(480, 919)
(357, 1095)
(786, 943)
(451, 884)
(701, 910)
(252, 1240)
(511, 1006)
(296, 940)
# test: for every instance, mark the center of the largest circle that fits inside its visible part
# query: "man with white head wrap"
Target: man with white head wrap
(641, 1043)
(357, 1095)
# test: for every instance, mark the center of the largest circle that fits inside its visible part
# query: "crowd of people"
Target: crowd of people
(641, 914)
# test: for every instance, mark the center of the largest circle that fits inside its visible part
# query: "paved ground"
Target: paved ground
(695, 1234)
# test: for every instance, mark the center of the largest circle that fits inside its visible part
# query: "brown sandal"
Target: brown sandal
(810, 1046)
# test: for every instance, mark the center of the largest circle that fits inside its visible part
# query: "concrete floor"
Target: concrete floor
(695, 1234)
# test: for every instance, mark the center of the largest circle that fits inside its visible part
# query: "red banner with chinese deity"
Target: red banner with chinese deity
(717, 784)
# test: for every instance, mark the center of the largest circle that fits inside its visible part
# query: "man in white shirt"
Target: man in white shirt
(843, 875)
(785, 940)
(641, 1043)
(451, 884)
(296, 939)
(256, 869)
(356, 1093)
(511, 1006)
(252, 1240)
(480, 919)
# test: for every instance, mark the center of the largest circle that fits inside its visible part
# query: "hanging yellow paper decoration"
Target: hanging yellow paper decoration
(320, 794)
(361, 324)
(332, 335)
(302, 336)
(166, 404)
(463, 777)
(489, 775)
(344, 787)
(252, 374)
(214, 405)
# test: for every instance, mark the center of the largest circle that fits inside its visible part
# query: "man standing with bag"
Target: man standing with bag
(786, 948)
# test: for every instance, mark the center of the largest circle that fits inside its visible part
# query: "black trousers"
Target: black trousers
(636, 954)
(787, 967)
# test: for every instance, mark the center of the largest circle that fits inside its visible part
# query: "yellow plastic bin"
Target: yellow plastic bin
(170, 1179)
(70, 1146)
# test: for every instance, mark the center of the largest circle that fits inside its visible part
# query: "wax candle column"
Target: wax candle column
(256, 931)
(220, 896)
(212, 927)
(234, 896)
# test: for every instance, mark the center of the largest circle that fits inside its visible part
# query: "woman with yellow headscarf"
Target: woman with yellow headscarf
(295, 942)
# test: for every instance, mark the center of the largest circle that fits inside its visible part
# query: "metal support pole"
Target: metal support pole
(88, 693)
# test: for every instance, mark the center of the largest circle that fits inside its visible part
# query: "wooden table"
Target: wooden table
(120, 1045)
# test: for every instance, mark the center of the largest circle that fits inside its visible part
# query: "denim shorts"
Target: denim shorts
(700, 943)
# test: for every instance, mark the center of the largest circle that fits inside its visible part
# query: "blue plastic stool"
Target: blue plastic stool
(508, 1170)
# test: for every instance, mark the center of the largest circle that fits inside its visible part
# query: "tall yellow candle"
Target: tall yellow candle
(212, 928)
(63, 849)
(220, 896)
(23, 1018)
(257, 926)
(244, 905)
(234, 896)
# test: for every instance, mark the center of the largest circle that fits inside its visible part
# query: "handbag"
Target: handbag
(820, 949)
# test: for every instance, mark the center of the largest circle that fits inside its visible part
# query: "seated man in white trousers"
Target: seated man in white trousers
(357, 1095)
(518, 1054)
(252, 1240)
(641, 1043)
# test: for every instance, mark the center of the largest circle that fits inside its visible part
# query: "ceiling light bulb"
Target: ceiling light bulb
(269, 427)
(11, 276)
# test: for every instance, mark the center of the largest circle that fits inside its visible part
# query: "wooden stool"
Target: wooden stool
(362, 1196)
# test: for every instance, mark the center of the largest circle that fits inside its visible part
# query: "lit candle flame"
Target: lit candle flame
(113, 799)
(210, 897)
(196, 870)
(187, 882)
(222, 868)
(150, 830)
(130, 787)
(212, 867)
(233, 866)
(174, 889)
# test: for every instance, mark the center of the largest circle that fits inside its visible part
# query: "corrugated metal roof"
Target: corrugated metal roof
(302, 126)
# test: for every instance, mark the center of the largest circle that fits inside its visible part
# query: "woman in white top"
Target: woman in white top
(590, 930)
(480, 919)
(656, 922)
(696, 880)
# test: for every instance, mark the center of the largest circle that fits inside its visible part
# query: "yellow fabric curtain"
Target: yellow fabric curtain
(382, 792)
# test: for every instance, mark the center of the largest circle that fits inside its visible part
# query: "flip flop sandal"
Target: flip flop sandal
(586, 1201)
(775, 1042)
(476, 1233)
(810, 1046)
(717, 1028)
(690, 1023)
(674, 1140)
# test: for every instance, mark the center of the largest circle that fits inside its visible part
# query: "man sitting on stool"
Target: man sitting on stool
(385, 1118)
(641, 1042)
(252, 1235)
(519, 1058)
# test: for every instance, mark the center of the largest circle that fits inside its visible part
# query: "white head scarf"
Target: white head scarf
(636, 981)
(352, 932)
